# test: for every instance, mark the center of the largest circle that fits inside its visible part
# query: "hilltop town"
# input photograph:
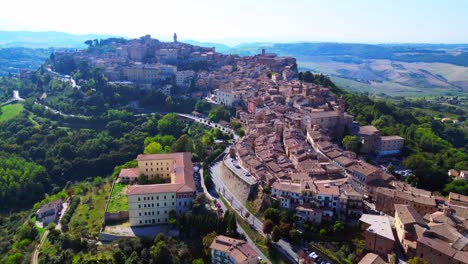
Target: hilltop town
(279, 164)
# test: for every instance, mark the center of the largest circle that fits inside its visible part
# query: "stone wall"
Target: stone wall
(120, 216)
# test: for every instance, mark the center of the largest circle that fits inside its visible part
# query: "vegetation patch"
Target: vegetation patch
(86, 220)
(119, 200)
(261, 242)
(10, 111)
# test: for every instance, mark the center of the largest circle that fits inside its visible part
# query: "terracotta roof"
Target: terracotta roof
(438, 245)
(131, 173)
(326, 189)
(408, 215)
(239, 250)
(368, 130)
(344, 161)
(287, 186)
(183, 175)
(372, 258)
(364, 168)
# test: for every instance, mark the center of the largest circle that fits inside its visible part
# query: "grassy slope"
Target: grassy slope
(119, 201)
(10, 111)
(88, 215)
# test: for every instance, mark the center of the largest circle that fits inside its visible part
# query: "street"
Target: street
(255, 223)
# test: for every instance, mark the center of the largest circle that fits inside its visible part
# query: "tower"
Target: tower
(263, 52)
(342, 104)
(175, 38)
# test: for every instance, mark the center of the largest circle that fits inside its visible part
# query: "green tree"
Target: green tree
(338, 227)
(202, 106)
(170, 124)
(352, 143)
(153, 148)
(119, 257)
(276, 234)
(457, 186)
(219, 113)
(160, 253)
(142, 179)
(417, 260)
(323, 232)
(206, 241)
(295, 236)
(272, 214)
(268, 226)
(183, 144)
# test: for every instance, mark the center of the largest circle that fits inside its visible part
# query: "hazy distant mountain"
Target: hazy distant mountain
(49, 39)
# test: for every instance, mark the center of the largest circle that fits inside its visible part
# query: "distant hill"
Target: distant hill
(28, 39)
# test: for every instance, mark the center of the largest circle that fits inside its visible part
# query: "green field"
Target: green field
(119, 200)
(10, 111)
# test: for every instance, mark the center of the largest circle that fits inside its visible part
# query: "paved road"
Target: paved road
(255, 223)
(37, 250)
(214, 196)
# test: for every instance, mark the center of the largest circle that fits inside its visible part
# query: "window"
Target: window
(144, 205)
(152, 205)
(165, 204)
(140, 221)
(139, 206)
(145, 213)
(138, 198)
(164, 197)
(139, 214)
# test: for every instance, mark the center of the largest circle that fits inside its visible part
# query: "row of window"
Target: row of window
(152, 205)
(151, 213)
(148, 198)
(157, 169)
(152, 221)
(157, 163)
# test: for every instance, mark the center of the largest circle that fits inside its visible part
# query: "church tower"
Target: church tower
(175, 38)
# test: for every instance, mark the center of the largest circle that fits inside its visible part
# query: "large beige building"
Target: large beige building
(149, 73)
(151, 204)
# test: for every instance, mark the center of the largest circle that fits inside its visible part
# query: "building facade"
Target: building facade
(151, 204)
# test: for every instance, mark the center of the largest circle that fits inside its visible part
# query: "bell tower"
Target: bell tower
(175, 38)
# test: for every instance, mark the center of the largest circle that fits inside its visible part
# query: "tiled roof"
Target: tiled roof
(239, 250)
(183, 179)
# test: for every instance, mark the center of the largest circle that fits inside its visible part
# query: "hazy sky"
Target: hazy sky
(375, 21)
